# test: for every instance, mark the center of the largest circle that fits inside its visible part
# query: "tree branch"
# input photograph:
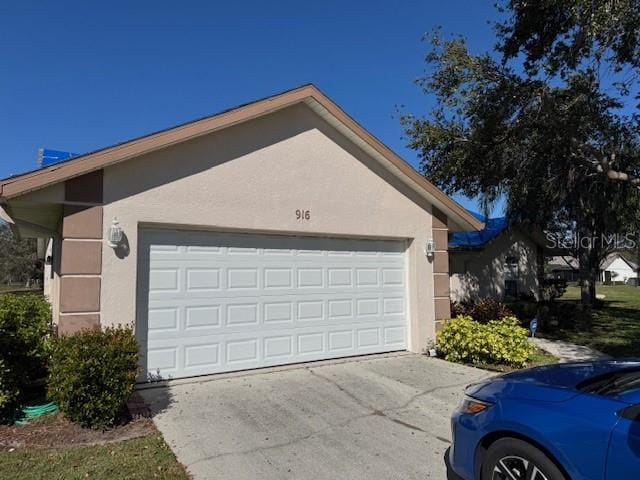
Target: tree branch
(603, 165)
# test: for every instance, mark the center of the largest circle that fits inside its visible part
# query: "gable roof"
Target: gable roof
(17, 185)
(563, 262)
(478, 239)
(613, 257)
(571, 263)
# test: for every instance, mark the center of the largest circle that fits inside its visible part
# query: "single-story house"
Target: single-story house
(614, 268)
(564, 267)
(280, 231)
(496, 262)
(617, 268)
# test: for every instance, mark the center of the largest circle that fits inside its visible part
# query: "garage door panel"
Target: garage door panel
(164, 280)
(394, 335)
(369, 337)
(202, 279)
(193, 276)
(393, 306)
(201, 356)
(278, 312)
(221, 302)
(164, 361)
(202, 317)
(278, 347)
(163, 319)
(236, 314)
(341, 340)
(228, 352)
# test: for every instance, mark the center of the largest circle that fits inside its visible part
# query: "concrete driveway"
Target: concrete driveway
(382, 417)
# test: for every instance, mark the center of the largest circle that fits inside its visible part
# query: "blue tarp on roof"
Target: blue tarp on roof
(493, 228)
(47, 156)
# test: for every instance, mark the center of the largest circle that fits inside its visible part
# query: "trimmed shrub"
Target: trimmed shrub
(482, 311)
(93, 373)
(499, 342)
(25, 345)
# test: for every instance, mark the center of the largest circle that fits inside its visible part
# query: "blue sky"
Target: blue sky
(78, 75)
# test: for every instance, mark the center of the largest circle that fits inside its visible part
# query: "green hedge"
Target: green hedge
(25, 344)
(93, 373)
(499, 342)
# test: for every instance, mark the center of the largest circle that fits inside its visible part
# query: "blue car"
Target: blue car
(573, 421)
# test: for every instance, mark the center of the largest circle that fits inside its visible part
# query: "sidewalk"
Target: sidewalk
(569, 352)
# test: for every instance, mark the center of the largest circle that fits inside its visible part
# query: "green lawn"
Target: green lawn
(142, 458)
(615, 328)
(18, 289)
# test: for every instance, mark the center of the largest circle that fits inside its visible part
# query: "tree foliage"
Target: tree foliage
(18, 262)
(560, 36)
(535, 123)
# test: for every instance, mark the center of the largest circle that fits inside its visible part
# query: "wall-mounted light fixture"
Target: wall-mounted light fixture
(430, 248)
(114, 235)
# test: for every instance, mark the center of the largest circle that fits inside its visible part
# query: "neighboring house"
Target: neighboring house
(494, 262)
(277, 232)
(616, 268)
(563, 267)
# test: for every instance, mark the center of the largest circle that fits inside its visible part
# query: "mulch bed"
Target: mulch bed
(54, 431)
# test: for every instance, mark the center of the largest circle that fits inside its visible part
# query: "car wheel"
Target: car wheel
(513, 459)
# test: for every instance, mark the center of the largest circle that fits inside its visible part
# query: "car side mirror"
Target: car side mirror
(631, 413)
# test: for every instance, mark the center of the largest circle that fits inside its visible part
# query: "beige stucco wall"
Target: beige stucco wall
(253, 177)
(481, 274)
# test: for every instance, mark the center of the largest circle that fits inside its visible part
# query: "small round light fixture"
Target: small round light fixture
(114, 235)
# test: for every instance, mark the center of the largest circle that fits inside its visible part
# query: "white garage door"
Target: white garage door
(220, 302)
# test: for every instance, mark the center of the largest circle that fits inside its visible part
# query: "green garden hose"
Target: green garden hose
(34, 411)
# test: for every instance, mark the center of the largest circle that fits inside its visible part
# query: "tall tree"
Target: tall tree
(540, 129)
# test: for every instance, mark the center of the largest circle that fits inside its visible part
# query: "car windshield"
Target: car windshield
(612, 383)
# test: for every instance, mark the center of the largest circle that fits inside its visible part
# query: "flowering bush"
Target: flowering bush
(498, 342)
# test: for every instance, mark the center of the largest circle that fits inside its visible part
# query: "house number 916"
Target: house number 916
(303, 215)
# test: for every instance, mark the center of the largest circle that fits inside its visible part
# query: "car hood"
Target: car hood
(552, 383)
